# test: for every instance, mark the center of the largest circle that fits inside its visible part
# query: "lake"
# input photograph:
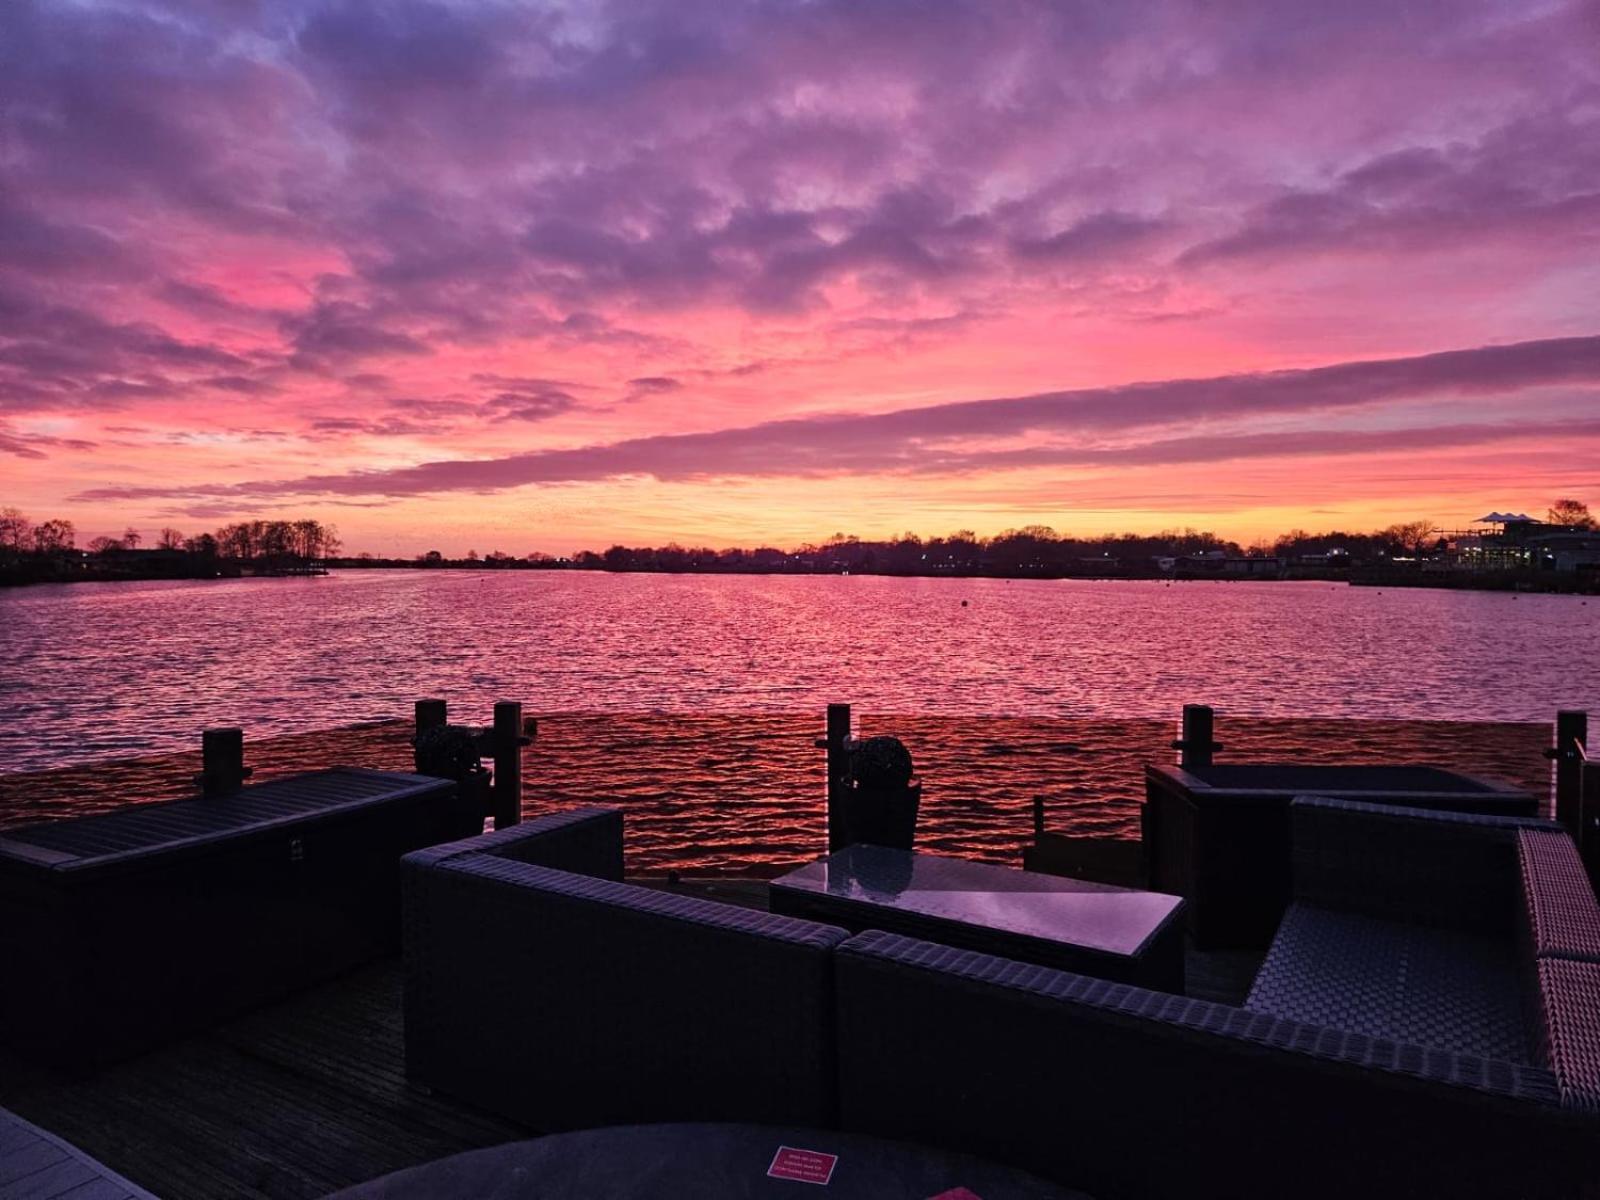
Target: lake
(694, 699)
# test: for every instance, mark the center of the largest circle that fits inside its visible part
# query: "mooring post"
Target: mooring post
(1196, 745)
(1571, 733)
(1589, 818)
(222, 769)
(511, 734)
(837, 743)
(430, 714)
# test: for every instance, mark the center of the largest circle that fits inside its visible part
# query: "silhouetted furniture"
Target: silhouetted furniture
(539, 986)
(1219, 835)
(714, 1162)
(1375, 1057)
(1097, 929)
(122, 929)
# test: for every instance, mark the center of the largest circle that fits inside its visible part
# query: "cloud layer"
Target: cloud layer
(270, 251)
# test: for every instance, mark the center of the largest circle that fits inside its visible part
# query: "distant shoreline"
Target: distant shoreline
(15, 579)
(1535, 582)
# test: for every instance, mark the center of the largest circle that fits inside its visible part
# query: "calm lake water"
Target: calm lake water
(95, 671)
(693, 701)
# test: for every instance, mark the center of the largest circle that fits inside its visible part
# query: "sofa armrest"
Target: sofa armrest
(1457, 870)
(1561, 917)
(584, 841)
(1569, 1029)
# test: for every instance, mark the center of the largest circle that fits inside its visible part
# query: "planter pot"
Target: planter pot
(886, 817)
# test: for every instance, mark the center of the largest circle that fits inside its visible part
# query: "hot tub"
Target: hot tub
(122, 929)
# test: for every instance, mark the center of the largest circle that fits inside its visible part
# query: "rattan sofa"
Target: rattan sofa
(539, 986)
(1382, 1051)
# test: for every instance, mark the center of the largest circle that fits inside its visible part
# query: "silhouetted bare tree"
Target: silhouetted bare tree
(1411, 538)
(1574, 514)
(16, 531)
(54, 536)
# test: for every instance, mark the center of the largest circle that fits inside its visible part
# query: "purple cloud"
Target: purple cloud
(929, 438)
(37, 445)
(397, 219)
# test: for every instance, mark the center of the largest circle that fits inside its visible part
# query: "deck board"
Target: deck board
(38, 1165)
(290, 1102)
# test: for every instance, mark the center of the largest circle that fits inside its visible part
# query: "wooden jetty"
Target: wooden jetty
(309, 1095)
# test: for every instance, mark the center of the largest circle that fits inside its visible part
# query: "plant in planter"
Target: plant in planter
(883, 799)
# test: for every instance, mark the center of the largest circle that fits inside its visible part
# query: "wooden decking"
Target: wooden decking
(308, 1096)
(35, 1165)
(290, 1102)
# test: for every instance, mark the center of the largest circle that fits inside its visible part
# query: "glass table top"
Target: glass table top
(1096, 915)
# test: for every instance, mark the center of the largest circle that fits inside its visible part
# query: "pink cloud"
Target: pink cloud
(462, 246)
(929, 439)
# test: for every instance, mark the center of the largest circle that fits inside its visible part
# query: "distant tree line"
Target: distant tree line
(1032, 550)
(20, 536)
(48, 550)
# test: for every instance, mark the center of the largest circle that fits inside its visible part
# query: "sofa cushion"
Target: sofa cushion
(1425, 985)
(1455, 870)
(1559, 905)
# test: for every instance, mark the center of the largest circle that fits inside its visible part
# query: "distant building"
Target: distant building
(1335, 559)
(1508, 541)
(1215, 564)
(1565, 549)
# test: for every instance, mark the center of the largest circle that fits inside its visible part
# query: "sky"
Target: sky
(546, 276)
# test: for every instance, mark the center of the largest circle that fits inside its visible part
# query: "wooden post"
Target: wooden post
(1572, 731)
(1589, 818)
(430, 714)
(837, 743)
(1196, 746)
(509, 740)
(222, 769)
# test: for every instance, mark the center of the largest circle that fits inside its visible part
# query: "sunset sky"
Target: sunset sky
(550, 275)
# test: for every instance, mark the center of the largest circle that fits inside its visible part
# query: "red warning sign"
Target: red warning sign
(808, 1166)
